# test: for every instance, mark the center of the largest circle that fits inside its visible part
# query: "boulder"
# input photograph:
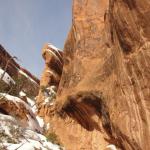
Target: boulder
(20, 110)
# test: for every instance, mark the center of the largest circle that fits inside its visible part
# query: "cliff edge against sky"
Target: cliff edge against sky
(103, 97)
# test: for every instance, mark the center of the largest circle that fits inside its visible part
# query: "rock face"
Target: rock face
(20, 126)
(104, 93)
(16, 72)
(4, 58)
(53, 65)
(50, 77)
(17, 108)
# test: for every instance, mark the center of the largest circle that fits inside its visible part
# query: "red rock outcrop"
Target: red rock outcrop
(20, 110)
(104, 93)
(50, 76)
(5, 58)
(53, 65)
(8, 63)
(20, 125)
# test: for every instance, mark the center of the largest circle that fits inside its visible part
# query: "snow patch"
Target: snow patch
(50, 94)
(30, 101)
(54, 55)
(22, 94)
(47, 126)
(26, 139)
(32, 145)
(40, 121)
(6, 78)
(32, 105)
(13, 98)
(111, 147)
(53, 47)
(49, 71)
(6, 118)
(24, 74)
(6, 129)
(33, 123)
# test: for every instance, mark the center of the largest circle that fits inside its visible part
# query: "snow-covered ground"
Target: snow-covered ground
(33, 107)
(32, 121)
(6, 78)
(13, 137)
(17, 100)
(30, 101)
(111, 147)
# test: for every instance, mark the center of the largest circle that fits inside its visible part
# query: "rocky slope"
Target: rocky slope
(11, 71)
(104, 92)
(12, 67)
(20, 126)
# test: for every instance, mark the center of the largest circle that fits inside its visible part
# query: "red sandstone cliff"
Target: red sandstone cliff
(104, 93)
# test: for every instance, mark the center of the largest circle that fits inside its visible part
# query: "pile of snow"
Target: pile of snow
(30, 101)
(13, 137)
(6, 78)
(32, 121)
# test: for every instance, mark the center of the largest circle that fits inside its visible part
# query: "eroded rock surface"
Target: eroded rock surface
(17, 108)
(8, 64)
(50, 77)
(104, 92)
(20, 126)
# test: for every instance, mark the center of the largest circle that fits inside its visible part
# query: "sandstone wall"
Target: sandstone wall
(104, 92)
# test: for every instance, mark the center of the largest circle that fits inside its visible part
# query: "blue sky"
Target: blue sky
(25, 25)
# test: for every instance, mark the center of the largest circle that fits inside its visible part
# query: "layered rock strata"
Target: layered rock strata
(13, 67)
(50, 78)
(20, 110)
(104, 93)
(9, 65)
